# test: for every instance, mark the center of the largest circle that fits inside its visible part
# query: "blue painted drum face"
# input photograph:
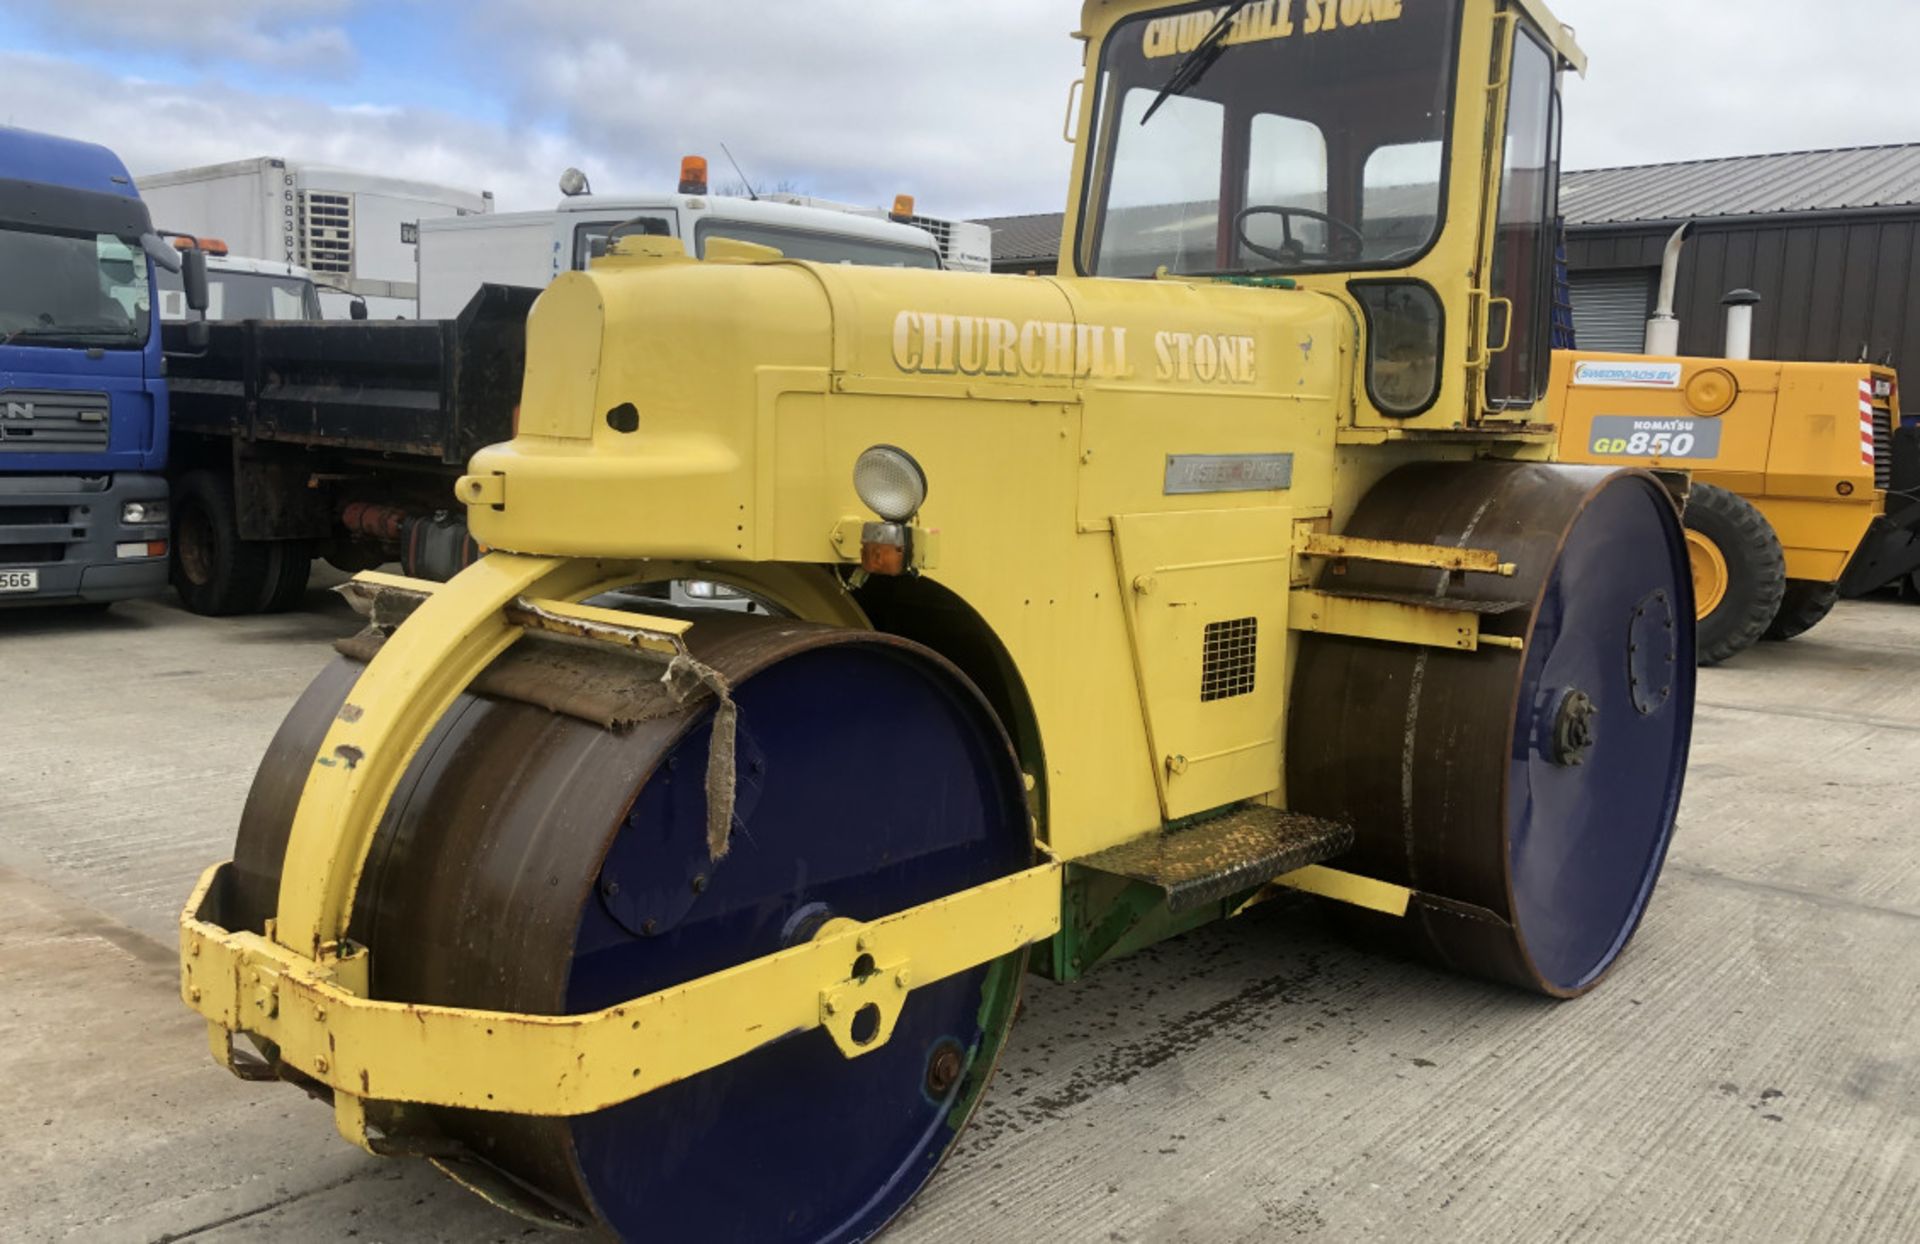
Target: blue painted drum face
(841, 814)
(1524, 792)
(1586, 840)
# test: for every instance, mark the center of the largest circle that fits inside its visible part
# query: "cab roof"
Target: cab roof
(257, 267)
(27, 155)
(814, 220)
(759, 211)
(1558, 33)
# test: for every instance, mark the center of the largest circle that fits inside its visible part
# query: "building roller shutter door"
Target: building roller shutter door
(1610, 309)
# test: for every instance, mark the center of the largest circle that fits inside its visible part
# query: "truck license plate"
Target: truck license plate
(19, 580)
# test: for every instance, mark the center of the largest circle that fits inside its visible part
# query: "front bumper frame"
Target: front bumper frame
(299, 985)
(319, 1023)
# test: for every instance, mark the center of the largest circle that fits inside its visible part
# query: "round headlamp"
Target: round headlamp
(890, 483)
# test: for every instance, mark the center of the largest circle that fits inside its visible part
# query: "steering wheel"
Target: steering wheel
(1290, 251)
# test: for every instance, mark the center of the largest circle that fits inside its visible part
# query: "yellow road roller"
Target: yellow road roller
(1227, 562)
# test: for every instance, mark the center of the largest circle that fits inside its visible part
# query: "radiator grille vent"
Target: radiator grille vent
(1882, 448)
(34, 421)
(326, 233)
(1227, 658)
(942, 231)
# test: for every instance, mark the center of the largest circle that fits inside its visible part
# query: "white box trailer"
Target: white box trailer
(354, 231)
(456, 255)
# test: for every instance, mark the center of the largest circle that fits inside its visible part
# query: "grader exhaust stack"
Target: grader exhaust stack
(1663, 330)
(1097, 607)
(1740, 306)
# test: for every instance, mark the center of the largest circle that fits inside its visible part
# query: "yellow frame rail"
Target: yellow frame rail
(562, 1065)
(1392, 621)
(1400, 553)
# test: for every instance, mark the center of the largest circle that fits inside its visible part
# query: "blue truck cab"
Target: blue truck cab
(83, 395)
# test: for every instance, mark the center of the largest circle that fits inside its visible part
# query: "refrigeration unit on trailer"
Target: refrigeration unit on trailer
(352, 230)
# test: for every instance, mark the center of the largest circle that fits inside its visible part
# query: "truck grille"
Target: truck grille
(12, 555)
(33, 421)
(326, 233)
(34, 534)
(42, 516)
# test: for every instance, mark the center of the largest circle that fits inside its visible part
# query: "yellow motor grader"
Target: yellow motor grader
(1787, 467)
(1226, 562)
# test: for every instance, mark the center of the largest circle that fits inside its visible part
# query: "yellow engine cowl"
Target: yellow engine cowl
(1073, 433)
(714, 410)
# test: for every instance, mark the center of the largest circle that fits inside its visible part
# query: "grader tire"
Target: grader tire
(1805, 606)
(1739, 572)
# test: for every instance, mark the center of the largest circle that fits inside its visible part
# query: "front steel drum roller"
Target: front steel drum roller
(533, 862)
(1527, 797)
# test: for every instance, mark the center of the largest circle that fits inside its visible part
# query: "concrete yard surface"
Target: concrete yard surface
(1750, 1072)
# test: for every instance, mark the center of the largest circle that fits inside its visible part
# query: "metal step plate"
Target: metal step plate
(1204, 863)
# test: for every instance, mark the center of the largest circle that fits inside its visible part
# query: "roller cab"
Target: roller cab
(1224, 563)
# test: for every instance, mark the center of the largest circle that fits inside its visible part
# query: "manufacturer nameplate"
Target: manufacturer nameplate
(1203, 473)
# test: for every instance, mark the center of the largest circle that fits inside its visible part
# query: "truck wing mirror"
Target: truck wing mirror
(193, 278)
(163, 255)
(357, 309)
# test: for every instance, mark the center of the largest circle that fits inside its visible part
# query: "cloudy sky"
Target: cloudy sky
(959, 103)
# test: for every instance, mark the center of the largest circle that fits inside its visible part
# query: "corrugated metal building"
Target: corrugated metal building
(1028, 243)
(1827, 238)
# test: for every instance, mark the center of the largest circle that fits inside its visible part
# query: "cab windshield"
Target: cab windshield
(1315, 139)
(72, 289)
(242, 296)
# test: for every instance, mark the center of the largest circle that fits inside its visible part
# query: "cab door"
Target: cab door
(1517, 244)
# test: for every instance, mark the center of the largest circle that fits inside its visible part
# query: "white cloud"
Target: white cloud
(281, 33)
(960, 106)
(849, 99)
(157, 127)
(1680, 81)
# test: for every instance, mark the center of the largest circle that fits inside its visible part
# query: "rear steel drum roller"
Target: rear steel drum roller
(1528, 797)
(531, 861)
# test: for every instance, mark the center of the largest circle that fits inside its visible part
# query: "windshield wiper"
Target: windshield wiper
(1188, 72)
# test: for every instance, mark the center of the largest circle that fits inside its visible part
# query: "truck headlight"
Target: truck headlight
(142, 513)
(890, 483)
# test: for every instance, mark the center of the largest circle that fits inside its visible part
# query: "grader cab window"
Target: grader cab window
(1293, 143)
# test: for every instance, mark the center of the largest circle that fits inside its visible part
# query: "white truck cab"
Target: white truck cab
(458, 254)
(239, 288)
